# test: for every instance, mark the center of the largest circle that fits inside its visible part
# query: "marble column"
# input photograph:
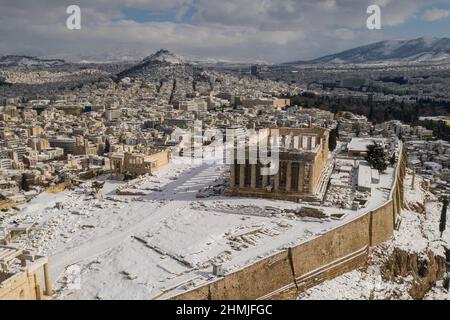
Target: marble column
(265, 180)
(48, 281)
(301, 176)
(232, 175)
(242, 175)
(296, 142)
(289, 176)
(37, 287)
(276, 180)
(311, 179)
(253, 180)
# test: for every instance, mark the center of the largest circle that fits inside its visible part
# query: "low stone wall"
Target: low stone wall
(289, 272)
(60, 187)
(7, 204)
(28, 284)
(266, 275)
(20, 287)
(382, 221)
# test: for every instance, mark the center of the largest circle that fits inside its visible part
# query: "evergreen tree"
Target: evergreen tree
(393, 159)
(443, 221)
(376, 157)
(371, 116)
(446, 282)
(107, 146)
(332, 141)
(25, 186)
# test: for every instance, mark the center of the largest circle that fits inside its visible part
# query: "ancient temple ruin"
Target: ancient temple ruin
(303, 156)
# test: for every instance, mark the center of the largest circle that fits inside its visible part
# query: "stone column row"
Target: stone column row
(241, 168)
(300, 142)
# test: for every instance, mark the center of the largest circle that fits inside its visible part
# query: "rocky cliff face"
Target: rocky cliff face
(417, 254)
(421, 270)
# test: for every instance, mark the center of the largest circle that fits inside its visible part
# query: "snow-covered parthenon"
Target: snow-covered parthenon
(303, 157)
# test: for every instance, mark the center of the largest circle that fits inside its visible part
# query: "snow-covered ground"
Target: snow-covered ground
(418, 232)
(160, 239)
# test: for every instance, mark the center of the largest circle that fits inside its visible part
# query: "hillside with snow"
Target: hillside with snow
(416, 50)
(164, 56)
(29, 62)
(160, 66)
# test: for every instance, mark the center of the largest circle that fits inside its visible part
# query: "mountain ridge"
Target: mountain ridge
(388, 51)
(29, 61)
(414, 50)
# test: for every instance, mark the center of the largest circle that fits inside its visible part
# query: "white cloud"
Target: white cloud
(271, 30)
(435, 14)
(344, 34)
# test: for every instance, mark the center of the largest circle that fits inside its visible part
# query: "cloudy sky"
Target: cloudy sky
(239, 30)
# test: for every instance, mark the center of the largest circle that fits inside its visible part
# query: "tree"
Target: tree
(332, 141)
(97, 186)
(446, 282)
(371, 116)
(24, 184)
(107, 146)
(376, 157)
(443, 221)
(393, 159)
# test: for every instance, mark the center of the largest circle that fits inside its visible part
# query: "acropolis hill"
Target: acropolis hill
(115, 183)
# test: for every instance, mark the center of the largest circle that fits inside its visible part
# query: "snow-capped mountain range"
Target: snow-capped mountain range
(26, 61)
(416, 50)
(419, 50)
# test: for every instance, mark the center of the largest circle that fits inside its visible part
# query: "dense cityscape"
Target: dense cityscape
(174, 178)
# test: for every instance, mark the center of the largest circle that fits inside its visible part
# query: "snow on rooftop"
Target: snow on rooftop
(364, 177)
(361, 144)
